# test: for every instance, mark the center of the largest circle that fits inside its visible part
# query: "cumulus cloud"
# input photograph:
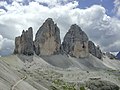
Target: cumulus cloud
(101, 28)
(53, 2)
(117, 7)
(6, 46)
(3, 3)
(18, 0)
(2, 11)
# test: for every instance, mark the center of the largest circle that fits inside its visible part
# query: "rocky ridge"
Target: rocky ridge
(47, 42)
(24, 43)
(110, 55)
(95, 51)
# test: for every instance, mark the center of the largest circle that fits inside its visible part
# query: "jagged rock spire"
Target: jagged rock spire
(47, 40)
(24, 43)
(75, 42)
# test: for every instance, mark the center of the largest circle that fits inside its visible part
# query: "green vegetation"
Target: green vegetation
(53, 88)
(82, 88)
(111, 70)
(62, 85)
(68, 87)
(119, 78)
(58, 82)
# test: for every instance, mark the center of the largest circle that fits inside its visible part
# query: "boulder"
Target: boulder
(47, 39)
(24, 43)
(75, 42)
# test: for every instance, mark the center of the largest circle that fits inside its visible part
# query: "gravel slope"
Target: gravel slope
(42, 71)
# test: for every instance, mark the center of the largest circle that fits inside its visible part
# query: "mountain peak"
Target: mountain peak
(75, 28)
(24, 43)
(48, 20)
(75, 42)
(47, 40)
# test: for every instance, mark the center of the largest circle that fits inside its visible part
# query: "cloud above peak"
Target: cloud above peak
(117, 7)
(101, 28)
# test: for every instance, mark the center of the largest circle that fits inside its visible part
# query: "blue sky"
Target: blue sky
(107, 4)
(100, 19)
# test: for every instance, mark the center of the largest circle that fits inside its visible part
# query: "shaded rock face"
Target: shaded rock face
(118, 56)
(75, 42)
(24, 43)
(110, 55)
(47, 40)
(95, 51)
(101, 85)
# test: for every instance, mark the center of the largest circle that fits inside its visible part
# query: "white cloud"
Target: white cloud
(18, 0)
(2, 11)
(117, 2)
(3, 3)
(1, 38)
(101, 28)
(53, 2)
(6, 46)
(117, 7)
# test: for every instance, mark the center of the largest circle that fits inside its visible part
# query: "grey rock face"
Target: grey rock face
(47, 40)
(95, 51)
(118, 56)
(24, 43)
(101, 85)
(110, 55)
(75, 42)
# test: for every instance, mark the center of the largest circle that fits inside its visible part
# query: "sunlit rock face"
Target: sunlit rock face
(47, 42)
(47, 39)
(24, 43)
(75, 42)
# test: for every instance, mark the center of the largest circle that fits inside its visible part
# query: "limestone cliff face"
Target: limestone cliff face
(47, 39)
(24, 43)
(47, 42)
(95, 51)
(75, 42)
